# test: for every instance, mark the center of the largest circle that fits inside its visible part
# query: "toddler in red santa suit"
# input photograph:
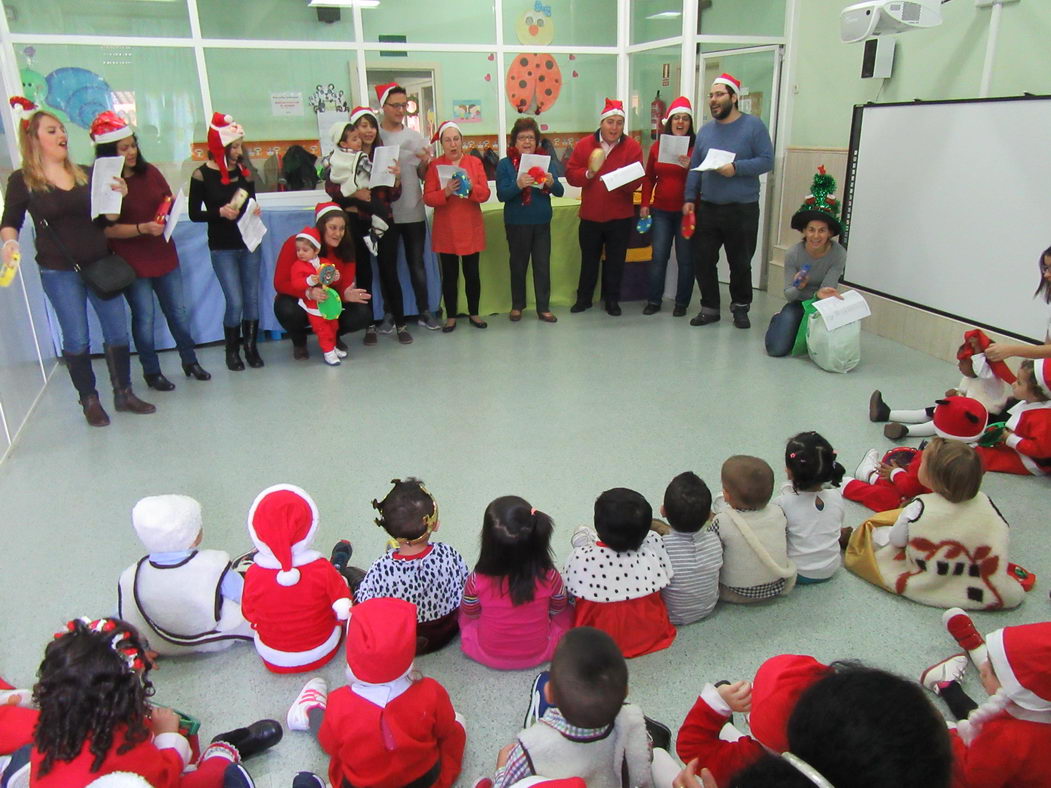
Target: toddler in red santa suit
(389, 727)
(305, 274)
(1025, 446)
(294, 598)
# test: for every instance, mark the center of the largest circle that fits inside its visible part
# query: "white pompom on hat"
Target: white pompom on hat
(167, 523)
(282, 523)
(120, 780)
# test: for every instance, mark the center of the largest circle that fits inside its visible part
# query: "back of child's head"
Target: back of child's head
(516, 545)
(167, 523)
(92, 682)
(687, 502)
(622, 519)
(749, 480)
(408, 512)
(953, 469)
(811, 461)
(589, 678)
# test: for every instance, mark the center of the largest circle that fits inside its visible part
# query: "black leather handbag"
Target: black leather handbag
(108, 277)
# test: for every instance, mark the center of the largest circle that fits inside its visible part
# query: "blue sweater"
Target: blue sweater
(539, 209)
(748, 138)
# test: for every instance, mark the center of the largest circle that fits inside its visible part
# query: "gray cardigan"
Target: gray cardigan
(824, 271)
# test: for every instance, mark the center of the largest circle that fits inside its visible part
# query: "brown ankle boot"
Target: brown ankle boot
(93, 411)
(124, 400)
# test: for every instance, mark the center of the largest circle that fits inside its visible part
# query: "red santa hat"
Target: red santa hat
(221, 132)
(23, 109)
(167, 523)
(681, 106)
(360, 112)
(1020, 657)
(730, 81)
(109, 127)
(777, 686)
(960, 419)
(445, 126)
(1042, 375)
(311, 235)
(383, 91)
(381, 639)
(325, 208)
(611, 108)
(999, 368)
(282, 522)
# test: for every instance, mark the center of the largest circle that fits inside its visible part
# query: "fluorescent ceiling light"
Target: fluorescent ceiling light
(666, 15)
(343, 3)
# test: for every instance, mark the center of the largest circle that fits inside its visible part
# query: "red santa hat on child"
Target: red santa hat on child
(1020, 657)
(1042, 375)
(445, 126)
(381, 640)
(310, 234)
(167, 523)
(999, 368)
(282, 523)
(681, 106)
(325, 208)
(383, 91)
(612, 107)
(359, 112)
(730, 81)
(221, 132)
(775, 690)
(960, 419)
(109, 127)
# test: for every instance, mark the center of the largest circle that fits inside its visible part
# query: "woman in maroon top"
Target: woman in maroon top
(139, 238)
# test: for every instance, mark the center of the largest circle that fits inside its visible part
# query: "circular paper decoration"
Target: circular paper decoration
(533, 83)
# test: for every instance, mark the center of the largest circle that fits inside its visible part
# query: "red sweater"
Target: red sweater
(284, 282)
(457, 227)
(374, 747)
(597, 203)
(149, 255)
(665, 183)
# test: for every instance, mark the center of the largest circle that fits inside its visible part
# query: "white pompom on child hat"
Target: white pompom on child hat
(282, 523)
(120, 780)
(167, 523)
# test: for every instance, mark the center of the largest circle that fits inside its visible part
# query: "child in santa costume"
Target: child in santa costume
(881, 486)
(1006, 741)
(1025, 446)
(948, 547)
(768, 699)
(294, 598)
(388, 727)
(304, 276)
(183, 599)
(350, 170)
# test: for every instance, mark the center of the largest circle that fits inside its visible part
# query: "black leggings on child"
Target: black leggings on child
(958, 701)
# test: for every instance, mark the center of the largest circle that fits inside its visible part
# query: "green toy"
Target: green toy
(993, 435)
(332, 307)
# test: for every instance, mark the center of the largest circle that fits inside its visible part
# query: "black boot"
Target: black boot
(250, 331)
(196, 371)
(118, 359)
(233, 348)
(254, 739)
(80, 372)
(158, 382)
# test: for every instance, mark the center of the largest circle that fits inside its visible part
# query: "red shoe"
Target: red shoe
(1025, 578)
(962, 628)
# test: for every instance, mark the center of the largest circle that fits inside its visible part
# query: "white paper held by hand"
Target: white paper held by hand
(447, 172)
(178, 209)
(382, 159)
(531, 160)
(103, 198)
(671, 148)
(839, 312)
(715, 159)
(622, 175)
(251, 226)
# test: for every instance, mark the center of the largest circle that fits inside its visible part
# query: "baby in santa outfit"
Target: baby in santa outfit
(294, 598)
(305, 276)
(182, 599)
(389, 726)
(1025, 446)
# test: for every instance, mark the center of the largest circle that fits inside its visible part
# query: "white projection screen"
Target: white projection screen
(948, 207)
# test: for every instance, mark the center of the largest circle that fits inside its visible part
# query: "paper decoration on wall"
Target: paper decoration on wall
(73, 95)
(533, 83)
(535, 26)
(326, 98)
(467, 110)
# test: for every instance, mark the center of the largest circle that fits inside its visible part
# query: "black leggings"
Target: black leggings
(958, 701)
(451, 282)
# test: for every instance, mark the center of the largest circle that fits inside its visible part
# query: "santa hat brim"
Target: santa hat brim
(361, 113)
(319, 213)
(113, 136)
(611, 113)
(1005, 674)
(1042, 375)
(734, 88)
(265, 558)
(317, 245)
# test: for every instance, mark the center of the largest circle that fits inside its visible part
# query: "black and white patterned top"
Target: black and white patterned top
(600, 574)
(432, 580)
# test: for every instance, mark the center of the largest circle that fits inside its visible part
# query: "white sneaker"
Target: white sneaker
(313, 695)
(341, 353)
(868, 465)
(941, 674)
(332, 358)
(371, 245)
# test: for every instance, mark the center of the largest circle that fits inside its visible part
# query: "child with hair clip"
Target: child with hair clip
(1025, 445)
(514, 607)
(429, 574)
(948, 547)
(813, 510)
(615, 576)
(94, 718)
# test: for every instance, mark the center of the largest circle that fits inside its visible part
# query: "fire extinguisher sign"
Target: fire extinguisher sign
(665, 75)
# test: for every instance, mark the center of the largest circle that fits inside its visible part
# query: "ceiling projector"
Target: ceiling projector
(883, 17)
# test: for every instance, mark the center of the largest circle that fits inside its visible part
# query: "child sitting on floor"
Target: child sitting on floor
(305, 274)
(514, 607)
(947, 548)
(429, 574)
(814, 511)
(753, 533)
(388, 726)
(615, 577)
(695, 552)
(1025, 446)
(183, 599)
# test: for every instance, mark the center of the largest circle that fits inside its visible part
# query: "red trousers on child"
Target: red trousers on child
(325, 330)
(1003, 459)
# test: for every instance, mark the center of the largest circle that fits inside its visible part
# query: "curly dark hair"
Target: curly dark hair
(406, 509)
(87, 691)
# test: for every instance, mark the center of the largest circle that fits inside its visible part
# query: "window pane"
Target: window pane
(755, 70)
(582, 22)
(106, 17)
(78, 82)
(742, 17)
(652, 20)
(418, 21)
(274, 19)
(648, 85)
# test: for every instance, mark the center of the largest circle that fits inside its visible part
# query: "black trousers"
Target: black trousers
(612, 236)
(525, 241)
(363, 261)
(734, 227)
(472, 285)
(293, 318)
(958, 701)
(414, 235)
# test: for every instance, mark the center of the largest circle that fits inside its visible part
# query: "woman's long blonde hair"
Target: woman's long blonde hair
(33, 161)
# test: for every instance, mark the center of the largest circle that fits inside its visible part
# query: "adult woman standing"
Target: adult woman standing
(137, 238)
(458, 231)
(336, 248)
(527, 220)
(663, 189)
(219, 192)
(998, 351)
(57, 194)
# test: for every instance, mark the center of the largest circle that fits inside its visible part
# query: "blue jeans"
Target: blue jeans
(69, 297)
(238, 273)
(665, 230)
(781, 334)
(170, 295)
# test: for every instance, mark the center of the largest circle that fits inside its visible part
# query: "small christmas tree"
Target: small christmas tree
(822, 195)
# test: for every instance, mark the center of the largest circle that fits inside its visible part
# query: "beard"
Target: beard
(722, 111)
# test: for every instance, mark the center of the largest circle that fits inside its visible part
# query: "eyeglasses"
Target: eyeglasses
(400, 105)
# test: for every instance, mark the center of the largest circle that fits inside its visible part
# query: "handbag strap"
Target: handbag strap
(54, 236)
(757, 546)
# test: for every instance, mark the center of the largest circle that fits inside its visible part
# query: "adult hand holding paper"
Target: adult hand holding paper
(623, 175)
(176, 212)
(672, 148)
(104, 198)
(383, 158)
(715, 159)
(837, 312)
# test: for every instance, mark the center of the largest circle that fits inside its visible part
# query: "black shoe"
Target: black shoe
(578, 307)
(158, 382)
(478, 323)
(651, 308)
(660, 734)
(741, 318)
(703, 319)
(878, 409)
(679, 311)
(300, 352)
(254, 739)
(341, 345)
(233, 348)
(196, 371)
(341, 554)
(307, 780)
(613, 309)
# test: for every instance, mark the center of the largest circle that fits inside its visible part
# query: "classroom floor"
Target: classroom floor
(554, 413)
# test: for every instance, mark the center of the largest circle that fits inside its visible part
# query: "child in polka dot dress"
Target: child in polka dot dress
(429, 574)
(616, 576)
